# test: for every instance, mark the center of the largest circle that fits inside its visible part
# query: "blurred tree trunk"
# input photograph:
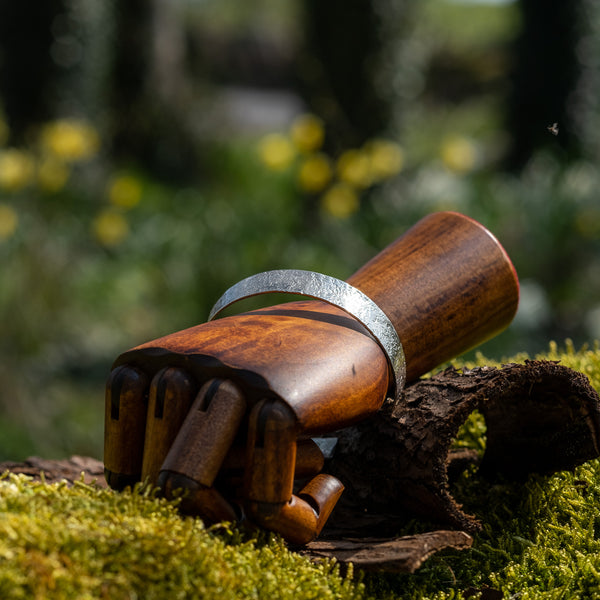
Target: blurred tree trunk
(27, 71)
(585, 105)
(545, 74)
(130, 73)
(149, 98)
(340, 67)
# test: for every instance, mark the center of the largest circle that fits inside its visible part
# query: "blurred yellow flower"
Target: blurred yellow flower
(387, 159)
(587, 223)
(314, 173)
(110, 227)
(52, 175)
(9, 221)
(459, 154)
(16, 169)
(340, 201)
(70, 139)
(125, 191)
(354, 168)
(307, 133)
(276, 151)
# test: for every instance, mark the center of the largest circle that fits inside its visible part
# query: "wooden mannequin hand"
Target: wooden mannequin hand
(225, 410)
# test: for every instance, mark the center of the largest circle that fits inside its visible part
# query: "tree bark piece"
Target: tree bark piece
(540, 417)
(70, 469)
(403, 554)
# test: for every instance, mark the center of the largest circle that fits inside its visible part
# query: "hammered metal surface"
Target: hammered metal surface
(333, 291)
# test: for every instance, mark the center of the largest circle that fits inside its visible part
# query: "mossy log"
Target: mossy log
(540, 416)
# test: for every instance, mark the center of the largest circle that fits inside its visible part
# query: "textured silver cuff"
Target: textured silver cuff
(333, 291)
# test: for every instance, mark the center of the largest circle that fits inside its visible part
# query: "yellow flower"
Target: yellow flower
(125, 191)
(314, 173)
(340, 201)
(276, 151)
(16, 169)
(52, 175)
(307, 133)
(354, 168)
(587, 223)
(387, 159)
(110, 227)
(70, 139)
(459, 154)
(9, 220)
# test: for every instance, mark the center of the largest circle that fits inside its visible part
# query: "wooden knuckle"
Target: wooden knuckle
(296, 520)
(274, 420)
(207, 433)
(172, 392)
(271, 453)
(124, 425)
(309, 460)
(322, 493)
(126, 390)
(196, 499)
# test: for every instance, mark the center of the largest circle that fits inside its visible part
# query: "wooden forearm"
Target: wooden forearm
(447, 285)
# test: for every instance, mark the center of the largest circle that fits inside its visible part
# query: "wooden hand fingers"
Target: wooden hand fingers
(125, 426)
(172, 393)
(269, 478)
(199, 449)
(302, 518)
(171, 433)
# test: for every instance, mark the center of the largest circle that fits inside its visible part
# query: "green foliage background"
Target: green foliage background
(71, 300)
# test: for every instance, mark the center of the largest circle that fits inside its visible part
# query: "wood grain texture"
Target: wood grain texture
(540, 416)
(172, 392)
(271, 454)
(447, 285)
(207, 433)
(320, 361)
(125, 425)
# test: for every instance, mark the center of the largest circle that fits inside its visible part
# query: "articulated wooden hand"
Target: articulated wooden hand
(226, 410)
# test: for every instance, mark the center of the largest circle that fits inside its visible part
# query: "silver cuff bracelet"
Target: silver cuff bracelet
(333, 291)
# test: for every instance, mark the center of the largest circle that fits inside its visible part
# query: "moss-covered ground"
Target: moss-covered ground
(541, 539)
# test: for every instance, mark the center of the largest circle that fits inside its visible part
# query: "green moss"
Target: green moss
(85, 542)
(541, 539)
